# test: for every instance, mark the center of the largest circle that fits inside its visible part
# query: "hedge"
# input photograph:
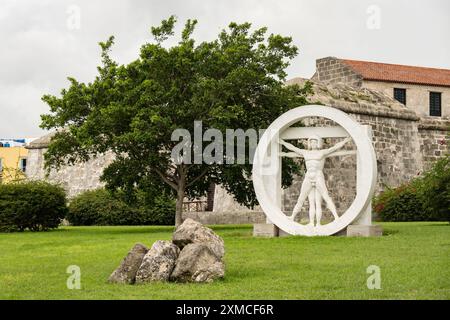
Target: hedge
(425, 198)
(100, 207)
(33, 205)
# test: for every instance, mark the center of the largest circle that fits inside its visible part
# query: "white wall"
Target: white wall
(417, 96)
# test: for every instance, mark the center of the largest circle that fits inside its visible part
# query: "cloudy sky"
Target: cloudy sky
(44, 41)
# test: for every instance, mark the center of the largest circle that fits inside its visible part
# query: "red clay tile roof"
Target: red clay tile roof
(399, 73)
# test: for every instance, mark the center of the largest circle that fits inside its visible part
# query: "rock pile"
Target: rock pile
(194, 255)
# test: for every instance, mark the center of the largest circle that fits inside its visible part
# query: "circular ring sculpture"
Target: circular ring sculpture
(367, 174)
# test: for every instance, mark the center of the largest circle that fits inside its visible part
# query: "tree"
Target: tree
(235, 81)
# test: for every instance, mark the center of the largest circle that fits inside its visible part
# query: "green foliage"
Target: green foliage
(435, 190)
(97, 207)
(235, 81)
(425, 198)
(100, 207)
(400, 204)
(160, 212)
(37, 206)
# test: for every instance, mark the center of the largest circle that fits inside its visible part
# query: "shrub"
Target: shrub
(101, 207)
(161, 211)
(434, 190)
(400, 204)
(425, 198)
(98, 207)
(33, 205)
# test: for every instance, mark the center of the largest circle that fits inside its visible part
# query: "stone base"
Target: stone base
(364, 231)
(282, 233)
(342, 233)
(271, 230)
(265, 230)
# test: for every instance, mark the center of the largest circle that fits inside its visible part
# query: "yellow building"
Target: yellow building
(13, 163)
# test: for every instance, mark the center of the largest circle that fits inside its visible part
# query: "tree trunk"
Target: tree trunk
(180, 197)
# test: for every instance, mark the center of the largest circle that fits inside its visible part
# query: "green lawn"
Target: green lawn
(414, 259)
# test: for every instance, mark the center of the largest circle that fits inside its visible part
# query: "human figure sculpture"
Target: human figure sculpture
(313, 185)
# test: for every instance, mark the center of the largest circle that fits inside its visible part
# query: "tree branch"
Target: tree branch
(166, 179)
(198, 177)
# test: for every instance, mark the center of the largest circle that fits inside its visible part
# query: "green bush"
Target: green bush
(161, 211)
(400, 204)
(434, 190)
(100, 207)
(37, 206)
(425, 198)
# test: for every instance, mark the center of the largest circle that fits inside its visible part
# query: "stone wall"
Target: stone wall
(227, 217)
(396, 147)
(74, 179)
(405, 144)
(332, 70)
(433, 139)
(224, 202)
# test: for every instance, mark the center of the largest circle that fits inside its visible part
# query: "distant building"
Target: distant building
(423, 90)
(13, 159)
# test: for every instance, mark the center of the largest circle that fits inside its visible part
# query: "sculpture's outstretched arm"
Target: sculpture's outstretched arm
(290, 154)
(342, 153)
(337, 146)
(292, 147)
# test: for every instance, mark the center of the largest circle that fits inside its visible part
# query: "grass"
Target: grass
(414, 259)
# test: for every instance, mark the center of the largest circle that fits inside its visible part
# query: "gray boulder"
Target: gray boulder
(197, 263)
(126, 272)
(191, 231)
(158, 263)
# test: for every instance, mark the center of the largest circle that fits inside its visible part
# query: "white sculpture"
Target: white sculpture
(313, 185)
(266, 173)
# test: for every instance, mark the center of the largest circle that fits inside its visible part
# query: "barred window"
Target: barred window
(435, 104)
(400, 95)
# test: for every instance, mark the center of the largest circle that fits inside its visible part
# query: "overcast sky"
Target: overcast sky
(44, 41)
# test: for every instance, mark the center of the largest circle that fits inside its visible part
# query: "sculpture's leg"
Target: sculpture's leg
(318, 207)
(304, 192)
(312, 206)
(322, 189)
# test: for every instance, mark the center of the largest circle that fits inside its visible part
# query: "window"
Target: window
(23, 164)
(435, 104)
(400, 95)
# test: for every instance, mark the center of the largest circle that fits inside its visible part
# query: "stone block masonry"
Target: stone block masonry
(332, 70)
(434, 135)
(74, 179)
(405, 144)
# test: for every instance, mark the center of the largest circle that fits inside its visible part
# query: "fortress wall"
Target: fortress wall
(399, 158)
(405, 145)
(74, 179)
